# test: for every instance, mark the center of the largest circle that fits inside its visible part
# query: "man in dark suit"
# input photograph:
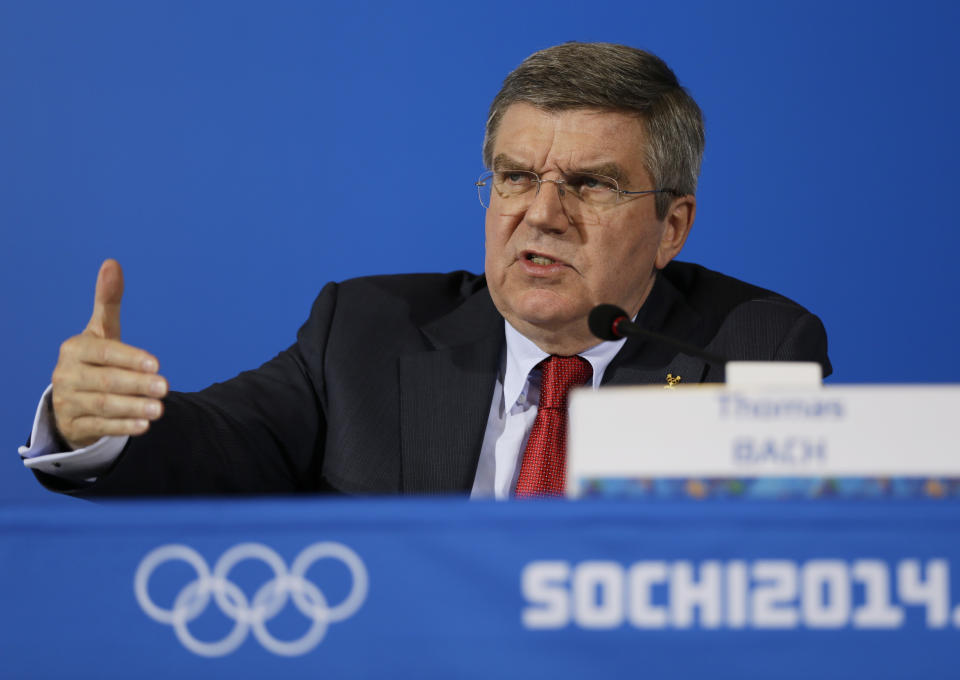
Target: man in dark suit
(427, 383)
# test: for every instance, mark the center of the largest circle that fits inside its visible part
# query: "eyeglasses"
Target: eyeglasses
(517, 188)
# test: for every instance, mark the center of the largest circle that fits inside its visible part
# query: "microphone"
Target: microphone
(605, 320)
(609, 322)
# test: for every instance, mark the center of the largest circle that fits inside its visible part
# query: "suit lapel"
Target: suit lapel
(689, 369)
(445, 395)
(646, 362)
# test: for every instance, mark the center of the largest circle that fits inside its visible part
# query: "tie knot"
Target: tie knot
(559, 375)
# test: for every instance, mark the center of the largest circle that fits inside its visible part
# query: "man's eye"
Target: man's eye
(591, 183)
(516, 178)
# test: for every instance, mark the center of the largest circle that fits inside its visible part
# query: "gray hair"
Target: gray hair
(606, 76)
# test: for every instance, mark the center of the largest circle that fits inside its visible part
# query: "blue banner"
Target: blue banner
(446, 588)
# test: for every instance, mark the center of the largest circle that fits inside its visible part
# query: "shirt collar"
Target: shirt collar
(523, 355)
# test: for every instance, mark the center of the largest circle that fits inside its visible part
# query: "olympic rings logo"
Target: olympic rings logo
(268, 601)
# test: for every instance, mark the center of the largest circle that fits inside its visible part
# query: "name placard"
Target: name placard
(719, 432)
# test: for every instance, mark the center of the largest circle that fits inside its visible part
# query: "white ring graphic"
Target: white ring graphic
(267, 602)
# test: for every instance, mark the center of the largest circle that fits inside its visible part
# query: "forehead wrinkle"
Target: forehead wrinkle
(594, 157)
(605, 156)
(531, 140)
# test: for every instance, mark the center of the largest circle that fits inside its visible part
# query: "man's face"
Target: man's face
(548, 265)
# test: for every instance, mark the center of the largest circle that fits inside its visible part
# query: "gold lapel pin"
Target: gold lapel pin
(672, 381)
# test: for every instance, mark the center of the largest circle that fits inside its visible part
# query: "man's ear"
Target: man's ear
(676, 228)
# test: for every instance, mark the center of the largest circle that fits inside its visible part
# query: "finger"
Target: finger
(110, 406)
(105, 320)
(89, 349)
(85, 430)
(87, 378)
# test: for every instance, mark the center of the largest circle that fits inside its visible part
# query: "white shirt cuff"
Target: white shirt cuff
(82, 465)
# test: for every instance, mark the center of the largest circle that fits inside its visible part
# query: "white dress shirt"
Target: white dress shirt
(512, 412)
(82, 465)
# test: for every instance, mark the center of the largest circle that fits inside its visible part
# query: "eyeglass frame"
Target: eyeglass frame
(489, 174)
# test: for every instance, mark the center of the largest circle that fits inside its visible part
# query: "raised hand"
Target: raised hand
(100, 385)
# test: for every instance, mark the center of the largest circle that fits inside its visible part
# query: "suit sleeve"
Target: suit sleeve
(260, 432)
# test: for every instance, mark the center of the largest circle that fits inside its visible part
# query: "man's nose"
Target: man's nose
(549, 208)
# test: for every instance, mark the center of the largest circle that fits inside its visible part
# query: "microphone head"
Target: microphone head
(603, 321)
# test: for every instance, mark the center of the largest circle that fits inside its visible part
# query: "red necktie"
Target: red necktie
(544, 467)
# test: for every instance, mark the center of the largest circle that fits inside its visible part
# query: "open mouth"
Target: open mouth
(540, 259)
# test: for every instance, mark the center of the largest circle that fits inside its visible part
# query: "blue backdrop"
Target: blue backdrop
(234, 156)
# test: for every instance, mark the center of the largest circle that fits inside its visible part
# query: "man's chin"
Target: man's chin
(548, 314)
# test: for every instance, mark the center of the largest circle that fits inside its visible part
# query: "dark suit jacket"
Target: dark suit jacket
(389, 385)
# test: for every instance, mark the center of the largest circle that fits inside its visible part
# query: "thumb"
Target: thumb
(105, 320)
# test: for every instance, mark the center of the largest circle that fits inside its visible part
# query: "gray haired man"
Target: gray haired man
(436, 383)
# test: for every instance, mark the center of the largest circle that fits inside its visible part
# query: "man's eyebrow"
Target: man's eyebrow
(503, 162)
(611, 170)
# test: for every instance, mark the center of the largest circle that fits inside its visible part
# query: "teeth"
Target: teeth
(540, 259)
